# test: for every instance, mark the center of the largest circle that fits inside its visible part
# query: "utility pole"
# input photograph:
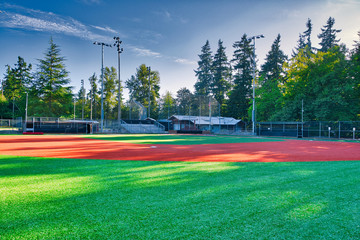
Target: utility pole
(102, 82)
(149, 70)
(119, 50)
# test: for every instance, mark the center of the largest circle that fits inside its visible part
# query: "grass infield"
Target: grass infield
(51, 198)
(181, 139)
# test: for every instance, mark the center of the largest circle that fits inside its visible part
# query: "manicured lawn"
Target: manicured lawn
(101, 199)
(181, 139)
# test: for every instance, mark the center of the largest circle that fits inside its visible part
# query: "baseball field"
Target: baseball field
(178, 187)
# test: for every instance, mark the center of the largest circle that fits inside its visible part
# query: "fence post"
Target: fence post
(339, 129)
(329, 131)
(320, 130)
(354, 129)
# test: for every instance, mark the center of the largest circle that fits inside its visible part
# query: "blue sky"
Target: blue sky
(164, 34)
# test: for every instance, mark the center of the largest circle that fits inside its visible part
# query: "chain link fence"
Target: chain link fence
(311, 129)
(11, 126)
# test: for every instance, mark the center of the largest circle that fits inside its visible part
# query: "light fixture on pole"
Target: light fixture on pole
(102, 82)
(149, 70)
(254, 76)
(119, 50)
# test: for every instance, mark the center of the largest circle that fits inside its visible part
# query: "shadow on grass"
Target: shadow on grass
(71, 198)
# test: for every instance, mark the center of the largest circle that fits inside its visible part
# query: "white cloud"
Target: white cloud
(35, 20)
(143, 52)
(184, 61)
(105, 29)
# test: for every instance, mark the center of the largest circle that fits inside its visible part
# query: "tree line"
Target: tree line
(313, 84)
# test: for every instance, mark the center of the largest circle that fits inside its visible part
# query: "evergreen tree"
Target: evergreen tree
(94, 98)
(139, 87)
(304, 39)
(183, 101)
(203, 72)
(55, 98)
(16, 83)
(271, 76)
(221, 74)
(240, 96)
(167, 106)
(328, 35)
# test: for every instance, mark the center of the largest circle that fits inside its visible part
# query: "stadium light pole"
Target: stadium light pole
(102, 82)
(149, 70)
(254, 75)
(119, 50)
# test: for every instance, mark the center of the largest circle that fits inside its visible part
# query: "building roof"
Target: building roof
(202, 120)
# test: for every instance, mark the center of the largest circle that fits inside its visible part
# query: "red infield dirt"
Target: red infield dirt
(82, 148)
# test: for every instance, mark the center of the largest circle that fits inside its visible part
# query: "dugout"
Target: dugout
(281, 129)
(57, 125)
(199, 124)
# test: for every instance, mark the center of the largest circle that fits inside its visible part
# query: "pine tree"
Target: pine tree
(304, 41)
(50, 84)
(221, 75)
(328, 35)
(271, 76)
(16, 83)
(273, 66)
(203, 72)
(93, 97)
(240, 96)
(183, 101)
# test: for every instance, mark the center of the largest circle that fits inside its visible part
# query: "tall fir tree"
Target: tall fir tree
(221, 75)
(94, 98)
(271, 76)
(16, 82)
(204, 72)
(328, 35)
(184, 99)
(240, 95)
(50, 85)
(304, 41)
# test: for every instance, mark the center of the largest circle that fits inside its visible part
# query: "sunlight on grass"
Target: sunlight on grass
(307, 211)
(42, 187)
(49, 198)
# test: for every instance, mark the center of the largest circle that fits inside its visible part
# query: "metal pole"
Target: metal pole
(120, 50)
(149, 69)
(253, 110)
(83, 99)
(26, 111)
(254, 75)
(302, 118)
(102, 89)
(91, 97)
(74, 108)
(102, 82)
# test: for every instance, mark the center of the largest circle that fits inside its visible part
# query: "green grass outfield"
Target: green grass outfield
(182, 139)
(42, 198)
